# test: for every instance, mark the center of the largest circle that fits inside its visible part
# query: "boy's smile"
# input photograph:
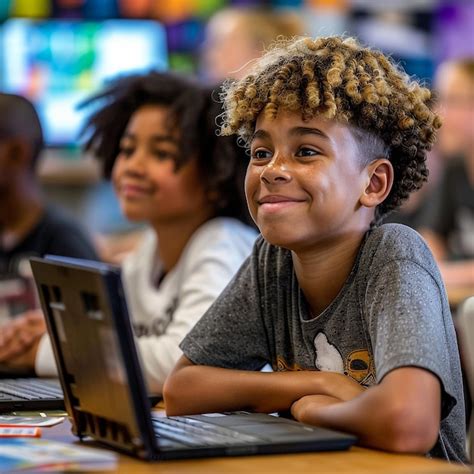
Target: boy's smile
(277, 202)
(304, 181)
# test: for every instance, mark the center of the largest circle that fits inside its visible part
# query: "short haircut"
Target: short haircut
(19, 119)
(336, 78)
(193, 111)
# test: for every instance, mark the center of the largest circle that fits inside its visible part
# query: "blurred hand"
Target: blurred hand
(19, 339)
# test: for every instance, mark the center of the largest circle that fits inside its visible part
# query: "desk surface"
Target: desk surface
(355, 461)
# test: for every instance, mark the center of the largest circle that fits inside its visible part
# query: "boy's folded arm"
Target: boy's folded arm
(194, 388)
(401, 414)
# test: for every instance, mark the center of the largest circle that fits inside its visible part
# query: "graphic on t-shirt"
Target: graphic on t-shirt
(358, 364)
(328, 358)
(158, 325)
(283, 365)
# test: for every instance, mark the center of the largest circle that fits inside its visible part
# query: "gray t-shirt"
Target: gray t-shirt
(391, 312)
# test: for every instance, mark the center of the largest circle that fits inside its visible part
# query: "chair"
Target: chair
(465, 328)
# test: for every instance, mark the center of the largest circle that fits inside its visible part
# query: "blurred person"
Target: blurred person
(448, 223)
(28, 225)
(412, 212)
(454, 83)
(236, 36)
(155, 135)
(157, 138)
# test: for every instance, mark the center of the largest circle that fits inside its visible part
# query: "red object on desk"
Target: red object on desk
(16, 432)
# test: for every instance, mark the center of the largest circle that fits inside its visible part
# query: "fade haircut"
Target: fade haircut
(336, 78)
(191, 110)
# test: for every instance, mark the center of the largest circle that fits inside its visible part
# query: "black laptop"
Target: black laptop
(104, 389)
(19, 389)
(30, 394)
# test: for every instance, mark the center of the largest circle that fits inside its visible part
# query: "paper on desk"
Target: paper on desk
(43, 413)
(7, 420)
(32, 455)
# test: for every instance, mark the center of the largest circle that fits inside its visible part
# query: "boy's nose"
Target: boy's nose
(276, 172)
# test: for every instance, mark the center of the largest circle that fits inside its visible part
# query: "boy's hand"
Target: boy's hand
(19, 339)
(336, 385)
(306, 409)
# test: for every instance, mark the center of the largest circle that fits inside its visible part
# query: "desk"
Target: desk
(355, 461)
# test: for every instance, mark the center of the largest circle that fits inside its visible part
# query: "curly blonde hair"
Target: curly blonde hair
(336, 78)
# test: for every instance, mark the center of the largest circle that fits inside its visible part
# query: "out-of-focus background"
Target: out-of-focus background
(58, 52)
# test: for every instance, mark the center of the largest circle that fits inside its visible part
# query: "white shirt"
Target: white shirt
(163, 315)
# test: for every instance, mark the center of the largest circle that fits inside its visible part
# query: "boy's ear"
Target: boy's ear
(379, 182)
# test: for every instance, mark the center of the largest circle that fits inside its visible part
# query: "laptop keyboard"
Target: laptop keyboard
(194, 432)
(29, 389)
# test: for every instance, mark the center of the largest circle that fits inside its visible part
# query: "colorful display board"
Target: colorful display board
(57, 63)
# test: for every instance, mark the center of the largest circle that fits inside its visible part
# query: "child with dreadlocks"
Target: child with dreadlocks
(352, 316)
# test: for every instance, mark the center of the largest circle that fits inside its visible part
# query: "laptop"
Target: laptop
(104, 389)
(30, 394)
(19, 390)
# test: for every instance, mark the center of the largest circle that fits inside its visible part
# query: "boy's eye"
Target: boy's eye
(261, 155)
(304, 151)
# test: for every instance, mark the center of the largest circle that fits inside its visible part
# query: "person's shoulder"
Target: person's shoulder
(64, 234)
(395, 233)
(456, 176)
(143, 254)
(399, 253)
(456, 165)
(227, 226)
(60, 222)
(390, 242)
(222, 242)
(399, 239)
(223, 232)
(56, 218)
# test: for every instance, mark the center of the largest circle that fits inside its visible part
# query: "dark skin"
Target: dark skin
(22, 207)
(22, 203)
(307, 192)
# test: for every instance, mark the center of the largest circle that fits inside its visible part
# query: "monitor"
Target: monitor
(57, 63)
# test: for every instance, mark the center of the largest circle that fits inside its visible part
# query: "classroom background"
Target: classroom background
(59, 52)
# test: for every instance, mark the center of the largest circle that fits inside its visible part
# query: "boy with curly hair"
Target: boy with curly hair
(352, 316)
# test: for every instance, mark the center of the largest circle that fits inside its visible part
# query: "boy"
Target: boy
(352, 317)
